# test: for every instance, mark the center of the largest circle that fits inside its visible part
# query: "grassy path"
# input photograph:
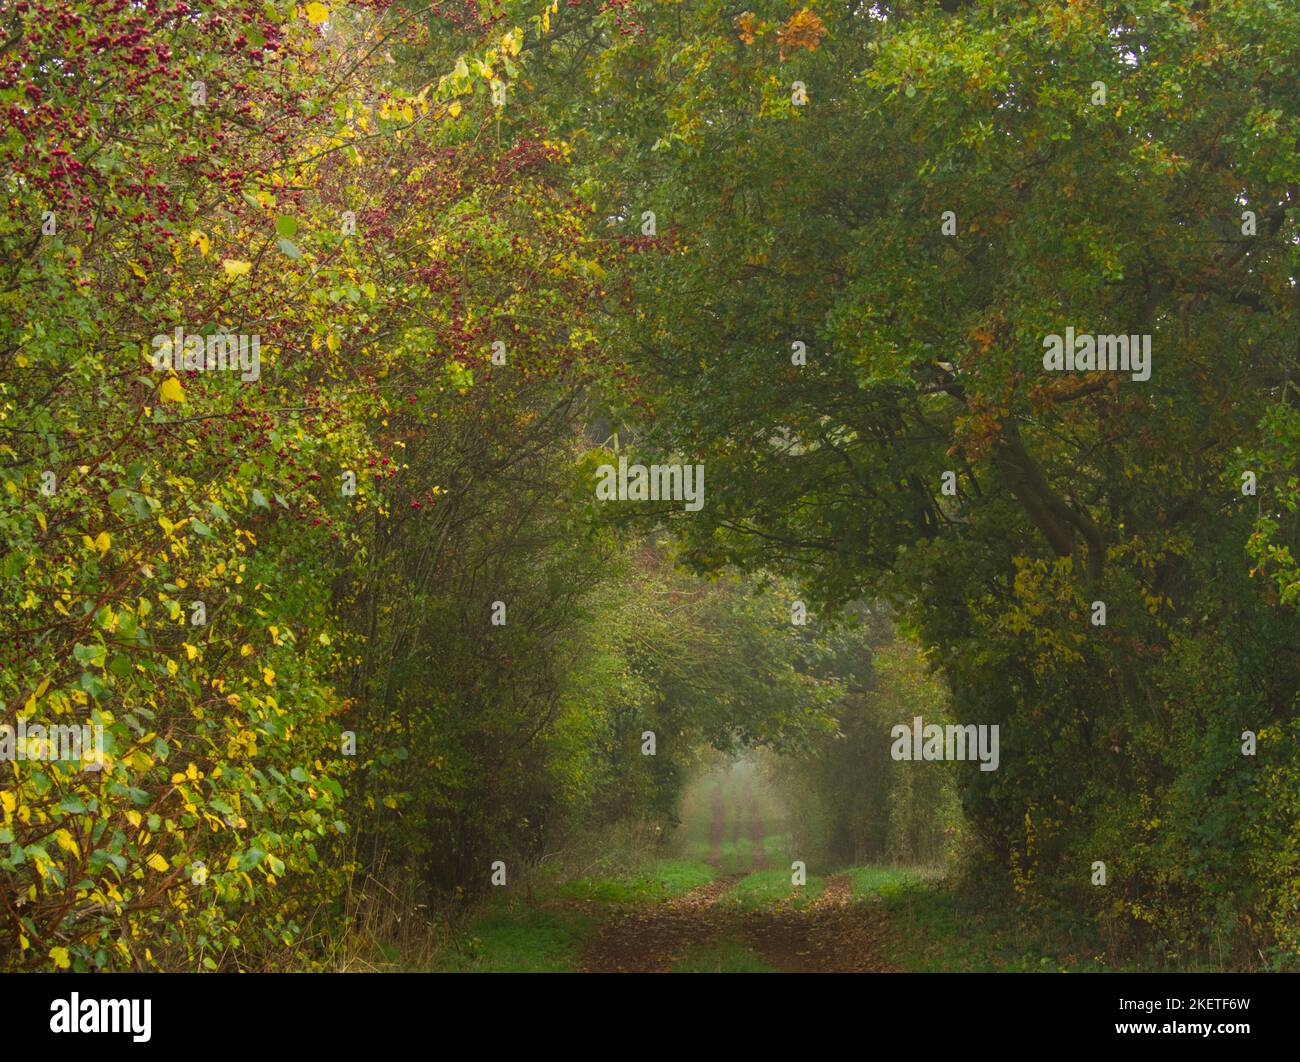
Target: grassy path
(676, 918)
(750, 917)
(833, 934)
(652, 938)
(710, 929)
(729, 906)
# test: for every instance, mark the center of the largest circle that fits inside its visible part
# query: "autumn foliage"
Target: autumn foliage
(270, 593)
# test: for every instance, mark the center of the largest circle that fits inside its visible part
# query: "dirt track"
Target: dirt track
(649, 939)
(831, 935)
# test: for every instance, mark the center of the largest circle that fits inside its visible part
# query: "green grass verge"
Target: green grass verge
(664, 880)
(770, 888)
(870, 882)
(935, 927)
(726, 955)
(518, 940)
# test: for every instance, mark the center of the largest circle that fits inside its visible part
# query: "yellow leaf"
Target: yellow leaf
(200, 240)
(190, 651)
(171, 390)
(60, 957)
(317, 13)
(8, 801)
(234, 267)
(102, 542)
(40, 519)
(158, 862)
(268, 676)
(454, 110)
(64, 838)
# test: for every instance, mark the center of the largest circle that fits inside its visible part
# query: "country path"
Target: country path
(833, 933)
(650, 938)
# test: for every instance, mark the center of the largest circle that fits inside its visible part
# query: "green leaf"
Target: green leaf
(90, 655)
